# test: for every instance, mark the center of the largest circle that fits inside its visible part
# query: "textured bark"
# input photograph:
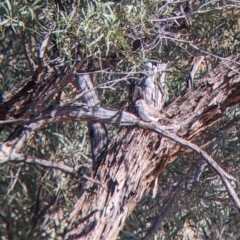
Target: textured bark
(97, 131)
(29, 98)
(136, 156)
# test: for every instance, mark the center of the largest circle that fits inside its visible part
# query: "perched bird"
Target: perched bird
(146, 112)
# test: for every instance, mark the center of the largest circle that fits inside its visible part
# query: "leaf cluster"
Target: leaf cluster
(116, 39)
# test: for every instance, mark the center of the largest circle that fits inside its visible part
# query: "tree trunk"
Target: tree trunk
(136, 157)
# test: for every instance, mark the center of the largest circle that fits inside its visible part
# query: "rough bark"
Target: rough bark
(97, 131)
(136, 156)
(33, 94)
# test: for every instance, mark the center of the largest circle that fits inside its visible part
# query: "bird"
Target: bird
(146, 112)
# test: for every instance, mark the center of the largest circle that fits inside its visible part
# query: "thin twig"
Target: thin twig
(94, 181)
(17, 157)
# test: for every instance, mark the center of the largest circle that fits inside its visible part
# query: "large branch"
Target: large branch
(97, 131)
(34, 93)
(136, 157)
(226, 178)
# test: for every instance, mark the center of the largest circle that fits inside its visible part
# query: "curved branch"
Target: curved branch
(121, 117)
(223, 175)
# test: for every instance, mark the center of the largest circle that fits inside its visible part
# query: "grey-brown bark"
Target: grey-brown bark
(97, 131)
(136, 156)
(33, 94)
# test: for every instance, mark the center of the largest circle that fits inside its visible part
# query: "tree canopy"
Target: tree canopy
(76, 160)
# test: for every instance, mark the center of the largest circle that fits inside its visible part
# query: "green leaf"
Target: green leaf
(9, 7)
(97, 40)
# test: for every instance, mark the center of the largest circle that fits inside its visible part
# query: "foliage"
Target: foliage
(115, 39)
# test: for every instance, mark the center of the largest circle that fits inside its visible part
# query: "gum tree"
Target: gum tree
(76, 158)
